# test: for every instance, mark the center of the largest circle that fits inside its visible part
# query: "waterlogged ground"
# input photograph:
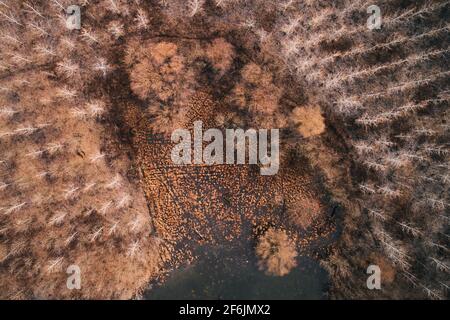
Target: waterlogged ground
(232, 273)
(207, 219)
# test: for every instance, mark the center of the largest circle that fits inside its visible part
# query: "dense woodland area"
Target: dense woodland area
(364, 111)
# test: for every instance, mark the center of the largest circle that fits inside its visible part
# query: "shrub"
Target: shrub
(309, 121)
(276, 252)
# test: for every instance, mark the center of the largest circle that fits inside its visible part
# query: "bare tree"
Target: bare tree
(195, 6)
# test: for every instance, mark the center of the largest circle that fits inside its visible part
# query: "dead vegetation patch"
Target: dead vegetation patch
(276, 252)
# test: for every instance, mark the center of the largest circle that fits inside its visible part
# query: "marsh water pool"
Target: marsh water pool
(232, 273)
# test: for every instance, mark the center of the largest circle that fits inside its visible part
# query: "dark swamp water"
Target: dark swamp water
(232, 273)
(230, 270)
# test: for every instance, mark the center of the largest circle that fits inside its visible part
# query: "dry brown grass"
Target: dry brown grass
(303, 211)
